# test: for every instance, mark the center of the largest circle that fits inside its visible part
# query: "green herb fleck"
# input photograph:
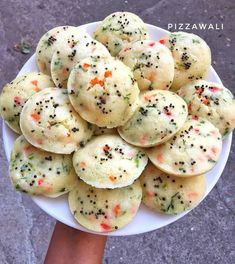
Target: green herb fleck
(138, 156)
(127, 98)
(196, 41)
(65, 168)
(58, 64)
(17, 186)
(171, 205)
(211, 160)
(89, 126)
(31, 156)
(137, 162)
(226, 131)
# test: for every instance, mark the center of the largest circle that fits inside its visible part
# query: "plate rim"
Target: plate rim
(119, 232)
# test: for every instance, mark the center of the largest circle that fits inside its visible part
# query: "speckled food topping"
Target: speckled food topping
(192, 57)
(15, 94)
(107, 161)
(104, 131)
(120, 28)
(211, 101)
(103, 91)
(159, 116)
(194, 150)
(56, 39)
(169, 194)
(151, 62)
(38, 172)
(104, 210)
(49, 122)
(65, 59)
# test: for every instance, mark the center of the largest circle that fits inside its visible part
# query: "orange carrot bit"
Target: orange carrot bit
(143, 139)
(35, 82)
(162, 41)
(40, 181)
(27, 149)
(17, 100)
(148, 97)
(105, 227)
(108, 74)
(214, 149)
(95, 81)
(205, 101)
(106, 148)
(86, 65)
(192, 195)
(112, 178)
(40, 141)
(151, 44)
(82, 164)
(159, 158)
(117, 210)
(195, 117)
(36, 117)
(190, 107)
(36, 89)
(167, 112)
(149, 194)
(199, 90)
(126, 49)
(152, 76)
(214, 89)
(43, 66)
(64, 71)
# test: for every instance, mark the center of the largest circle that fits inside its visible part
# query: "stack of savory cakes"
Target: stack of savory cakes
(99, 108)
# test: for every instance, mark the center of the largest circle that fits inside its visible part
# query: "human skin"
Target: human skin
(69, 245)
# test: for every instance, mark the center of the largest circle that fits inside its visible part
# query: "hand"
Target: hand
(69, 245)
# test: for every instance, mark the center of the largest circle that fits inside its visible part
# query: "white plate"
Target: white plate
(145, 220)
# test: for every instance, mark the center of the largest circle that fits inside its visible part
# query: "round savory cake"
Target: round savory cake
(107, 161)
(193, 150)
(103, 91)
(211, 101)
(192, 57)
(49, 122)
(169, 194)
(159, 116)
(120, 28)
(16, 93)
(65, 59)
(57, 38)
(104, 210)
(151, 62)
(38, 172)
(101, 106)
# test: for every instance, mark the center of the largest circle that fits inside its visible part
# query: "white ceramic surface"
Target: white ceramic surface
(145, 220)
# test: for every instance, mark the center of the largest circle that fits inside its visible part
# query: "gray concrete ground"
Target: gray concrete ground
(207, 234)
